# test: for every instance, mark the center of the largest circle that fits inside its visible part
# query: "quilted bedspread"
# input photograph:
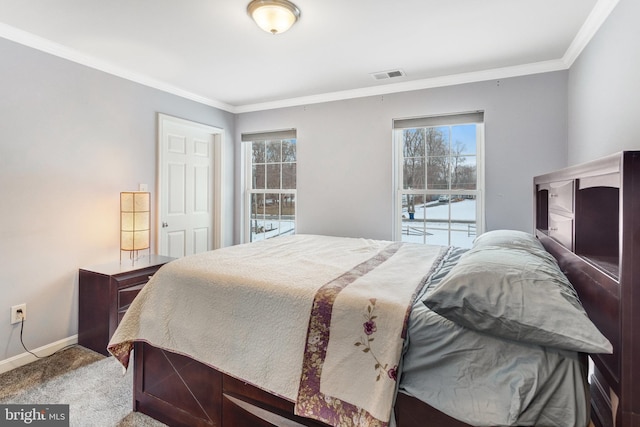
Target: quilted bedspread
(315, 319)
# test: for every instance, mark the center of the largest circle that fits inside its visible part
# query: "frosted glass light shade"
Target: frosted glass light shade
(135, 220)
(273, 16)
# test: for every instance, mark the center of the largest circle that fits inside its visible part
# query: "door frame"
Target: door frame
(218, 135)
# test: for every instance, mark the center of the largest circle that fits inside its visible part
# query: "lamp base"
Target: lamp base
(134, 255)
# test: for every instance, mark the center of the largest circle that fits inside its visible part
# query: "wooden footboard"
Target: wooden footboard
(180, 391)
(175, 389)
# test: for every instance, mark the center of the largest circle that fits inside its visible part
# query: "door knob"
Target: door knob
(164, 225)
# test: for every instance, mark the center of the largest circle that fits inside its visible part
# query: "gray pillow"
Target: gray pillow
(516, 295)
(508, 239)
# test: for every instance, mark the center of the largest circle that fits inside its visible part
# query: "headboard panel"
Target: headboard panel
(588, 218)
(599, 295)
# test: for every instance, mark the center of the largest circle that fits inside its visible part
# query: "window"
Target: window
(439, 179)
(270, 182)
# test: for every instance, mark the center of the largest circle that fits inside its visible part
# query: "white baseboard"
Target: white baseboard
(26, 358)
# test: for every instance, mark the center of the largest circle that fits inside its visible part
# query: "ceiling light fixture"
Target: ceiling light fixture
(273, 16)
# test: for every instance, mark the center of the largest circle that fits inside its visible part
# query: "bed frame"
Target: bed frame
(585, 216)
(180, 391)
(588, 217)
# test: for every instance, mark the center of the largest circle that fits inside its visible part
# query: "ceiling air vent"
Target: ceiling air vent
(383, 75)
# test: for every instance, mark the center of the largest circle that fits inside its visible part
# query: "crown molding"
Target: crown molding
(594, 21)
(449, 80)
(31, 40)
(592, 24)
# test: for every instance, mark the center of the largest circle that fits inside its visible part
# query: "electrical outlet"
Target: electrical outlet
(18, 313)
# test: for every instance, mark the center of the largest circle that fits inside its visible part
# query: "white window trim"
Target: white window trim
(246, 171)
(398, 191)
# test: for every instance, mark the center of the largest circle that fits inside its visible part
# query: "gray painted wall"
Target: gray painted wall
(604, 89)
(345, 150)
(71, 139)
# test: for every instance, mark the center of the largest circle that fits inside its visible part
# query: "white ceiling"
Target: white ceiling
(211, 51)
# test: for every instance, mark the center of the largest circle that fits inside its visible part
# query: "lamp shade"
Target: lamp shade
(135, 224)
(273, 16)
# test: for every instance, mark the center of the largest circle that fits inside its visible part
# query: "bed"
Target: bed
(411, 342)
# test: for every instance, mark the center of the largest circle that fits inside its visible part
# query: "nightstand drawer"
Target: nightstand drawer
(134, 278)
(127, 295)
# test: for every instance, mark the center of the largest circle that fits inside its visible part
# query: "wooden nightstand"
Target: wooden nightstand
(105, 292)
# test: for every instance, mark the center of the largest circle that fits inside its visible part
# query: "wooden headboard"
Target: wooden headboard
(588, 217)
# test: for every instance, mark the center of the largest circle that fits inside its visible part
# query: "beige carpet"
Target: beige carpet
(98, 393)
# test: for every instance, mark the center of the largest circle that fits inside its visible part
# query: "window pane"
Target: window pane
(413, 211)
(464, 173)
(413, 145)
(258, 176)
(257, 205)
(288, 206)
(265, 225)
(289, 150)
(289, 176)
(257, 152)
(413, 173)
(272, 206)
(273, 175)
(258, 229)
(256, 217)
(413, 206)
(463, 221)
(287, 214)
(463, 139)
(274, 151)
(438, 173)
(413, 231)
(437, 141)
